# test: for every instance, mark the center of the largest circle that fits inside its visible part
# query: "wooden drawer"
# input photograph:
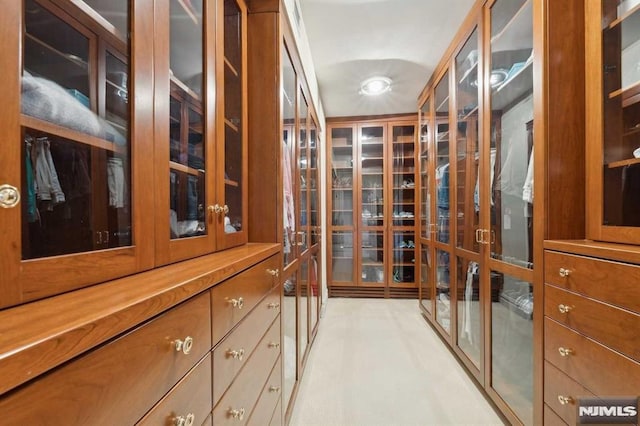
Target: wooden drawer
(614, 327)
(551, 418)
(557, 386)
(246, 388)
(233, 299)
(595, 278)
(126, 376)
(598, 368)
(190, 399)
(276, 420)
(243, 340)
(263, 411)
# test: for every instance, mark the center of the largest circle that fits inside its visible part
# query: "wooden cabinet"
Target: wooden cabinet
(372, 202)
(492, 127)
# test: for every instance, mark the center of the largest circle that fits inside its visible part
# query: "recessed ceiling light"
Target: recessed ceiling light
(375, 86)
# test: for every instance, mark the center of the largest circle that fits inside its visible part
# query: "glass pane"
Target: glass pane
(303, 337)
(289, 353)
(404, 175)
(233, 114)
(288, 157)
(467, 142)
(342, 176)
(342, 257)
(404, 257)
(511, 88)
(512, 343)
(426, 282)
(314, 290)
(621, 108)
(186, 122)
(75, 144)
(443, 295)
(372, 172)
(442, 159)
(314, 194)
(469, 320)
(304, 173)
(372, 255)
(425, 173)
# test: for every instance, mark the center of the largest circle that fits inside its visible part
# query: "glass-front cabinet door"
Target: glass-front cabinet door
(290, 248)
(426, 222)
(509, 89)
(613, 122)
(313, 185)
(231, 208)
(468, 202)
(70, 174)
(303, 239)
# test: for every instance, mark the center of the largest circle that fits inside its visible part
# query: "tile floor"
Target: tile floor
(377, 362)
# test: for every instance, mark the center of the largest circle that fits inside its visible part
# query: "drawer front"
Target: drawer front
(263, 411)
(189, 400)
(613, 327)
(595, 278)
(561, 393)
(276, 420)
(242, 395)
(128, 375)
(597, 368)
(234, 350)
(551, 418)
(233, 299)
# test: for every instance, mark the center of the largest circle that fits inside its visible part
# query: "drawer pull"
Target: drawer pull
(564, 309)
(273, 305)
(185, 345)
(274, 389)
(565, 351)
(185, 421)
(237, 303)
(274, 345)
(236, 414)
(564, 272)
(564, 400)
(239, 354)
(273, 272)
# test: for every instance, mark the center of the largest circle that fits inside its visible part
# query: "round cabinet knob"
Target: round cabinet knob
(179, 421)
(225, 209)
(565, 351)
(239, 354)
(216, 208)
(564, 309)
(185, 345)
(565, 400)
(273, 272)
(273, 305)
(237, 414)
(9, 196)
(191, 419)
(274, 389)
(237, 303)
(564, 272)
(274, 345)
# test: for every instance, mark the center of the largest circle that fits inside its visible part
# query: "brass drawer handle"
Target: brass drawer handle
(9, 196)
(239, 354)
(274, 345)
(564, 400)
(564, 273)
(236, 414)
(565, 351)
(273, 305)
(273, 272)
(237, 303)
(185, 345)
(564, 309)
(274, 389)
(185, 421)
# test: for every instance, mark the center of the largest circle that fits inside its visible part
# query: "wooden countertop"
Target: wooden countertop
(600, 249)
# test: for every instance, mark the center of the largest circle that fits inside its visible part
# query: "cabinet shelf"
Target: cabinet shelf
(231, 125)
(473, 71)
(233, 70)
(633, 131)
(630, 17)
(73, 135)
(518, 29)
(514, 87)
(623, 163)
(71, 59)
(230, 182)
(630, 94)
(473, 111)
(186, 169)
(442, 104)
(188, 9)
(184, 87)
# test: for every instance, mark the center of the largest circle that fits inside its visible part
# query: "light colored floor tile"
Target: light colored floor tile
(378, 363)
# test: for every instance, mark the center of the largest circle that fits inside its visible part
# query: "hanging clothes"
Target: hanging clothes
(288, 205)
(47, 184)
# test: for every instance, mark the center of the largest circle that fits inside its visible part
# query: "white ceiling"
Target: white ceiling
(352, 40)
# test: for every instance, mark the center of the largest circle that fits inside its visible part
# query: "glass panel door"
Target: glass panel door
(290, 247)
(342, 257)
(372, 174)
(290, 348)
(425, 172)
(303, 161)
(303, 309)
(312, 184)
(314, 291)
(511, 96)
(426, 281)
(442, 159)
(403, 175)
(469, 317)
(372, 258)
(443, 293)
(404, 257)
(342, 159)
